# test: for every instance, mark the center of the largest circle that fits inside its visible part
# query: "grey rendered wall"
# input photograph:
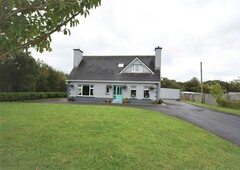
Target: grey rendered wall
(139, 88)
(100, 90)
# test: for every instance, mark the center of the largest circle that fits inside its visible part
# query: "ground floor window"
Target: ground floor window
(133, 93)
(107, 89)
(146, 93)
(85, 90)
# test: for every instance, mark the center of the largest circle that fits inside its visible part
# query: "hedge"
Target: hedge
(229, 103)
(30, 95)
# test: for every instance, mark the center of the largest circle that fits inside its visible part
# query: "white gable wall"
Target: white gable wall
(129, 68)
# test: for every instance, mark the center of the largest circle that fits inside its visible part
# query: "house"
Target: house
(115, 78)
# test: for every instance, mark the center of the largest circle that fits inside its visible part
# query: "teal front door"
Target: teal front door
(117, 93)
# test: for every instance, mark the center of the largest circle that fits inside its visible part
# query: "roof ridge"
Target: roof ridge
(118, 55)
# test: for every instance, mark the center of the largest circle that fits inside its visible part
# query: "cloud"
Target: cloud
(189, 32)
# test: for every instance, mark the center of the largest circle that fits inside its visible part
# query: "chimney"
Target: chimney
(158, 51)
(77, 57)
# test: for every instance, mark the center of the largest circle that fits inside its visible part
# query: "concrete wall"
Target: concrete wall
(207, 98)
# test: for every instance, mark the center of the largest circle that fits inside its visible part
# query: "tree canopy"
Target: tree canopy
(30, 23)
(193, 85)
(21, 73)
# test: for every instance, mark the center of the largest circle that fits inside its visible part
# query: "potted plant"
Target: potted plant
(125, 100)
(109, 86)
(151, 88)
(124, 86)
(108, 100)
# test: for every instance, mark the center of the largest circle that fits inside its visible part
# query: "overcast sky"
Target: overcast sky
(189, 31)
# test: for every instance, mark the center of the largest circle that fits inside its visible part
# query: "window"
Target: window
(120, 65)
(137, 68)
(146, 93)
(85, 90)
(107, 89)
(133, 93)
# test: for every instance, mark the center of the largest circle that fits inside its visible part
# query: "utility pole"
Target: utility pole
(201, 82)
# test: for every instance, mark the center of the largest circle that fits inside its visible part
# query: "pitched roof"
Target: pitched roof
(106, 68)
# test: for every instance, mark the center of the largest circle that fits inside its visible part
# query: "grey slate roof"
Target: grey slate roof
(106, 68)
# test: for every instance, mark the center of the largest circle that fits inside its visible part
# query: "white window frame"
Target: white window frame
(146, 89)
(80, 89)
(133, 88)
(137, 68)
(107, 89)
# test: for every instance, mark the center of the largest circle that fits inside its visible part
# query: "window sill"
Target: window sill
(84, 96)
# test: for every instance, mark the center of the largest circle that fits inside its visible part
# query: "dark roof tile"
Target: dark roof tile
(106, 68)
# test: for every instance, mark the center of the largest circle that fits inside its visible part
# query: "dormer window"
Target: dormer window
(120, 65)
(137, 68)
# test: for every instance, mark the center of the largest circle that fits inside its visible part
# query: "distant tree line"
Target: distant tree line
(194, 85)
(22, 73)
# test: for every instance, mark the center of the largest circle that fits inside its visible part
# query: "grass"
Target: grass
(223, 109)
(103, 137)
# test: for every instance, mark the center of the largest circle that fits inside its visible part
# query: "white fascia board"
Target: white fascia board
(110, 81)
(133, 62)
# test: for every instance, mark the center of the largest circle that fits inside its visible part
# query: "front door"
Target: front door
(117, 93)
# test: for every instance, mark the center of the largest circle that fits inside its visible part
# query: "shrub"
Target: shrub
(108, 100)
(228, 103)
(30, 96)
(125, 100)
(71, 99)
(157, 101)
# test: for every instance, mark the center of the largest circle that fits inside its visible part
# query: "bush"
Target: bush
(125, 100)
(157, 101)
(228, 103)
(30, 96)
(71, 99)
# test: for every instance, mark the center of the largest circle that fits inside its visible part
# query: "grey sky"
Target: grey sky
(189, 31)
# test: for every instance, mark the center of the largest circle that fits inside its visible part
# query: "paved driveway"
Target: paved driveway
(223, 125)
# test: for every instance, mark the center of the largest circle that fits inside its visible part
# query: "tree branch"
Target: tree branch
(39, 38)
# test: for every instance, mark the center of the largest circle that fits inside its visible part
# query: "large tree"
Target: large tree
(18, 73)
(30, 23)
(21, 73)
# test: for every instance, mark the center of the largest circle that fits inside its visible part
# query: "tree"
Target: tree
(192, 85)
(18, 73)
(217, 91)
(167, 83)
(30, 23)
(235, 85)
(22, 73)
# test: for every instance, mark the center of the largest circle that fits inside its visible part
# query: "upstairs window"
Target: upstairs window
(137, 68)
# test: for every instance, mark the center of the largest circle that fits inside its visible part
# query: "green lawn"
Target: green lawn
(102, 137)
(223, 109)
